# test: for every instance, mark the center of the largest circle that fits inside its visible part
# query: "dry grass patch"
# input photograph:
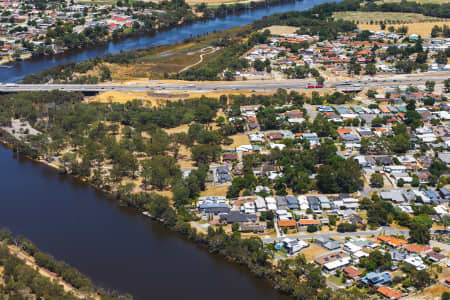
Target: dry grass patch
(433, 293)
(124, 97)
(215, 191)
(238, 140)
(366, 17)
(179, 129)
(420, 1)
(281, 30)
(422, 29)
(312, 251)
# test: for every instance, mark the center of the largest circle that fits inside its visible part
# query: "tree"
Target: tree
(429, 86)
(421, 279)
(419, 233)
(311, 228)
(320, 80)
(347, 227)
(436, 31)
(376, 180)
(447, 85)
(259, 65)
(370, 69)
(441, 58)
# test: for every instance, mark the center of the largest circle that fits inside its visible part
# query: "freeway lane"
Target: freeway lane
(250, 85)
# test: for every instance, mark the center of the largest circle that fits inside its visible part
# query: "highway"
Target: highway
(248, 85)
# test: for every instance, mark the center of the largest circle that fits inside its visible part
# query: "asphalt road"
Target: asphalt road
(381, 230)
(249, 85)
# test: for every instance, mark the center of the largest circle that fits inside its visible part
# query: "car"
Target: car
(311, 86)
(319, 86)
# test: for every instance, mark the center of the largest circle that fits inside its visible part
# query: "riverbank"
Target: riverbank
(211, 13)
(149, 254)
(34, 65)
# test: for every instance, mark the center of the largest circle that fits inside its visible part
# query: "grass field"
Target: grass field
(419, 1)
(433, 293)
(215, 191)
(422, 29)
(281, 30)
(366, 17)
(312, 251)
(154, 63)
(238, 140)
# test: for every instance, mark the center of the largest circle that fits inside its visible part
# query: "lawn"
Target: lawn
(366, 17)
(337, 281)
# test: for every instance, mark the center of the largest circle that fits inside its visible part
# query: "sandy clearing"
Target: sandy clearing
(281, 30)
(433, 293)
(366, 17)
(238, 140)
(215, 191)
(312, 251)
(422, 29)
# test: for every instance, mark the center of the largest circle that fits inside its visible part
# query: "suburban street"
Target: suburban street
(248, 85)
(381, 230)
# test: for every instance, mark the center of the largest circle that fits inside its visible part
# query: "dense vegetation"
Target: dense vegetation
(21, 281)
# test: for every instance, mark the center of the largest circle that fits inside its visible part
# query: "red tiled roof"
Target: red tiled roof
(352, 272)
(287, 223)
(416, 248)
(308, 222)
(389, 293)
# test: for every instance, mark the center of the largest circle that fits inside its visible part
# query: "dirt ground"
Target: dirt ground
(215, 191)
(238, 140)
(433, 293)
(281, 30)
(312, 251)
(422, 29)
(366, 17)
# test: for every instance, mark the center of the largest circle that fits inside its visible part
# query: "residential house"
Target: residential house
(389, 293)
(304, 223)
(376, 278)
(294, 246)
(352, 273)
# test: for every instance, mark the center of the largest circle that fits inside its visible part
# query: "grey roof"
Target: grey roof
(237, 217)
(395, 196)
(444, 157)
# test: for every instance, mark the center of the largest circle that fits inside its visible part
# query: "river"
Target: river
(116, 247)
(23, 68)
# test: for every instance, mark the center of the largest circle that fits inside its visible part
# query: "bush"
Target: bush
(312, 228)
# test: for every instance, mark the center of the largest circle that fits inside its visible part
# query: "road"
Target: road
(248, 85)
(382, 230)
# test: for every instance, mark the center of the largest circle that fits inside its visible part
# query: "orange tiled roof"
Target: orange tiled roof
(287, 223)
(342, 131)
(392, 240)
(416, 248)
(352, 272)
(308, 222)
(389, 293)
